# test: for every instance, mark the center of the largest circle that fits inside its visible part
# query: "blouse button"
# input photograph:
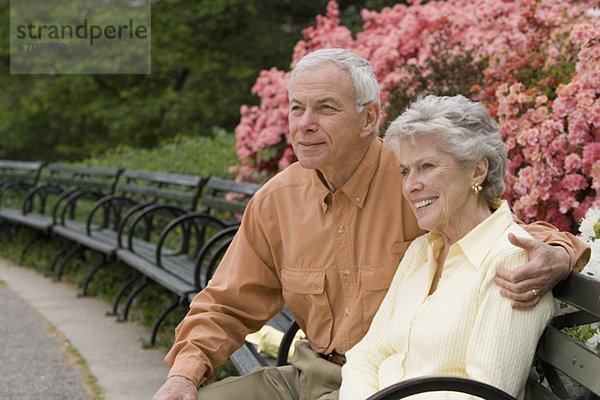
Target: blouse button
(341, 229)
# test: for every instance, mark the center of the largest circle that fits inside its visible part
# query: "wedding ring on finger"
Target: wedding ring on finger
(535, 292)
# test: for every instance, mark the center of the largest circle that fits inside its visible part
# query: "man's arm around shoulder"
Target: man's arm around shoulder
(552, 256)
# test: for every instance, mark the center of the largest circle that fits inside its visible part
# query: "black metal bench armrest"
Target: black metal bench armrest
(440, 383)
(131, 213)
(200, 221)
(106, 203)
(7, 181)
(42, 192)
(214, 248)
(286, 343)
(70, 202)
(12, 184)
(145, 213)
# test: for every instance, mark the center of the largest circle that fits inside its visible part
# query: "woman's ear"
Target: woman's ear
(372, 113)
(480, 170)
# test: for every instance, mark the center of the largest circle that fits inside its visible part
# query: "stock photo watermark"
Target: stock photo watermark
(80, 37)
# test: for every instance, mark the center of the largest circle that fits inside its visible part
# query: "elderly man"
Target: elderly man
(325, 237)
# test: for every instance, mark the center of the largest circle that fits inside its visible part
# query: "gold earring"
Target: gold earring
(476, 187)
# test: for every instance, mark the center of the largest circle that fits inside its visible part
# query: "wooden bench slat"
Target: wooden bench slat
(573, 358)
(162, 177)
(581, 291)
(226, 185)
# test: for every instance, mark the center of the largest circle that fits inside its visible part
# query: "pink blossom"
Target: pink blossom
(574, 182)
(572, 163)
(539, 62)
(539, 100)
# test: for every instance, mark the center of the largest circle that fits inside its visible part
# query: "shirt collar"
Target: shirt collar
(357, 187)
(479, 241)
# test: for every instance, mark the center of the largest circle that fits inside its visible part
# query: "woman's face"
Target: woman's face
(437, 189)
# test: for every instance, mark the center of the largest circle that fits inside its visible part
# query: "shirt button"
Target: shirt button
(357, 199)
(324, 206)
(347, 311)
(341, 229)
(346, 272)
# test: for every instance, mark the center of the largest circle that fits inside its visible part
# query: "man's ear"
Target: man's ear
(372, 113)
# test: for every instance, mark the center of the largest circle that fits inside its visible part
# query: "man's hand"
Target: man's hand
(547, 266)
(177, 388)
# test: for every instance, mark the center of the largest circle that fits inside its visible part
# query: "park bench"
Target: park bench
(16, 178)
(563, 368)
(23, 172)
(184, 256)
(150, 224)
(62, 193)
(158, 197)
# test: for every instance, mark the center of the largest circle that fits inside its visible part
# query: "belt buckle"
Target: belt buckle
(336, 359)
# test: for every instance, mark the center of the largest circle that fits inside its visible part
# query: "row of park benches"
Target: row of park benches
(173, 229)
(170, 229)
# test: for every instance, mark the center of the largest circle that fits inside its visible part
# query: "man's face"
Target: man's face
(325, 127)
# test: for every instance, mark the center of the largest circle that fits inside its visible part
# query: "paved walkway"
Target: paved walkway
(38, 315)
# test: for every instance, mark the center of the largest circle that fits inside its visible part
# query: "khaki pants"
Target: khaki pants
(309, 377)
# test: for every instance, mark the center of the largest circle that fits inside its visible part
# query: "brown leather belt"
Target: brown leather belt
(335, 358)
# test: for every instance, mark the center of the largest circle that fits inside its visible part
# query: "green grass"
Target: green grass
(76, 359)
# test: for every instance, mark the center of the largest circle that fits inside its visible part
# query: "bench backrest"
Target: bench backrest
(225, 198)
(560, 359)
(98, 179)
(180, 190)
(27, 172)
(16, 178)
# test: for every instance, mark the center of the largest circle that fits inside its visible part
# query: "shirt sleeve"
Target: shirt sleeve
(244, 293)
(503, 341)
(579, 252)
(360, 373)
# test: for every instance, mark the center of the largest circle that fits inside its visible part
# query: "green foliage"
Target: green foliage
(449, 73)
(583, 333)
(206, 55)
(186, 155)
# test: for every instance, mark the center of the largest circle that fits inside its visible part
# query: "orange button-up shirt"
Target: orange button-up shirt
(329, 256)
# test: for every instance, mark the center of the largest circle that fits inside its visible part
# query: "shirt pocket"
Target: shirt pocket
(304, 293)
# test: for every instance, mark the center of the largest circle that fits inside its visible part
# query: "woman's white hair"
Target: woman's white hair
(463, 129)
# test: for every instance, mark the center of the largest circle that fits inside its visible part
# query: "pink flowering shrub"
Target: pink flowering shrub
(535, 64)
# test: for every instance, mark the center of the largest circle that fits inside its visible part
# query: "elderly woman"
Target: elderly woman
(443, 314)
